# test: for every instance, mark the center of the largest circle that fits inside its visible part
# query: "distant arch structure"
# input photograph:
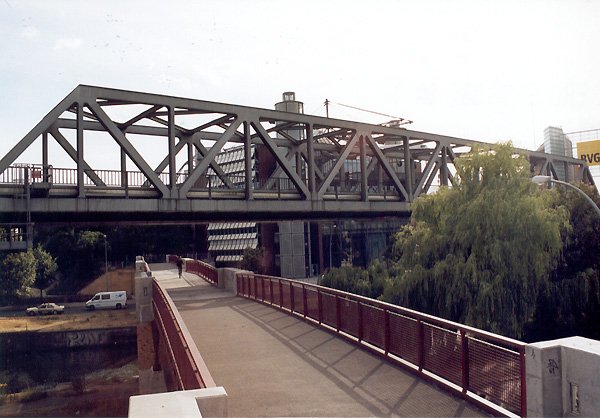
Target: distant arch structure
(295, 165)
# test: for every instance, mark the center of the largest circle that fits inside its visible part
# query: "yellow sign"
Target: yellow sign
(589, 152)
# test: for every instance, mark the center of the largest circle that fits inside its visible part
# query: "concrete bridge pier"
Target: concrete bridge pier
(151, 378)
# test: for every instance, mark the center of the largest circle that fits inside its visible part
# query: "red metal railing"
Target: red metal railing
(476, 364)
(189, 368)
(204, 270)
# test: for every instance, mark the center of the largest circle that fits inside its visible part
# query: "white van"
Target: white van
(108, 300)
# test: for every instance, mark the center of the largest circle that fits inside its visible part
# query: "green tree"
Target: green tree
(366, 282)
(569, 303)
(17, 274)
(479, 252)
(253, 260)
(45, 268)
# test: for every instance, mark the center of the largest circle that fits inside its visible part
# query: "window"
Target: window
(105, 297)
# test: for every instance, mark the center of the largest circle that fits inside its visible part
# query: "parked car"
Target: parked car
(46, 309)
(108, 300)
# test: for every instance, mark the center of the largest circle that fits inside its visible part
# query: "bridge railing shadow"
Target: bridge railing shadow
(484, 368)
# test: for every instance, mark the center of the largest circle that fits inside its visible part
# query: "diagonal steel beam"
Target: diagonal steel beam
(196, 140)
(432, 161)
(209, 158)
(39, 129)
(72, 152)
(143, 115)
(165, 162)
(291, 154)
(283, 162)
(331, 175)
(438, 164)
(128, 147)
(387, 166)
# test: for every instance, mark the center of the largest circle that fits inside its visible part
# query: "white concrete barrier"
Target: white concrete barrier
(209, 402)
(563, 378)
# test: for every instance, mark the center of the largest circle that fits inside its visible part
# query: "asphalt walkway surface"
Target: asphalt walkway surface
(273, 364)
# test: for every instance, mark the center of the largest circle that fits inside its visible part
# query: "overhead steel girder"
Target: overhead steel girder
(231, 124)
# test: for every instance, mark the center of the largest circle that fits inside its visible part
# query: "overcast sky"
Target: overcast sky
(483, 70)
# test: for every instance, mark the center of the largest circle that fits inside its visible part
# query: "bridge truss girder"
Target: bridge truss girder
(312, 163)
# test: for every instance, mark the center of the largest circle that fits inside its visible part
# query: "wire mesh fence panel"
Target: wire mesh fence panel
(298, 299)
(442, 352)
(242, 284)
(312, 302)
(495, 374)
(259, 287)
(276, 292)
(286, 292)
(404, 337)
(349, 316)
(329, 309)
(252, 286)
(373, 325)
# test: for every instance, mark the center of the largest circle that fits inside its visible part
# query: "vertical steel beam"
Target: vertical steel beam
(190, 156)
(248, 161)
(79, 162)
(310, 151)
(408, 169)
(45, 157)
(364, 195)
(172, 153)
(124, 180)
(444, 168)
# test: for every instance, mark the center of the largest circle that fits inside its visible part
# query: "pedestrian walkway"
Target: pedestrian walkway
(273, 364)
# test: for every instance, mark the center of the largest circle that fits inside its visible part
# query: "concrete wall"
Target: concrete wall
(26, 341)
(563, 378)
(121, 279)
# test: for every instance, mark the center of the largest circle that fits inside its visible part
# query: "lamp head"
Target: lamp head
(541, 179)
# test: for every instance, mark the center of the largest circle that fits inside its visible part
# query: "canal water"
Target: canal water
(19, 371)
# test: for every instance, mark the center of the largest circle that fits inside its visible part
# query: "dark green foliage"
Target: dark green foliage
(480, 252)
(45, 268)
(80, 252)
(17, 274)
(369, 283)
(569, 303)
(254, 260)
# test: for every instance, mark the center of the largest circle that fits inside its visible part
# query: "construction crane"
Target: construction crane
(395, 122)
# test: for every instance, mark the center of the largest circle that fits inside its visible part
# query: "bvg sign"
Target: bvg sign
(589, 152)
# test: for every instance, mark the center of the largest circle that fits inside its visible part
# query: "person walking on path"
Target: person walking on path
(179, 266)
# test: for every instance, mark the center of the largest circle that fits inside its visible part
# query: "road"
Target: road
(70, 309)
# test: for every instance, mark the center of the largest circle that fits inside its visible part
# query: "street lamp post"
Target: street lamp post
(547, 179)
(330, 236)
(105, 262)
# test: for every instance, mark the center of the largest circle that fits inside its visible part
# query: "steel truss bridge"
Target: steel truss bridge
(294, 166)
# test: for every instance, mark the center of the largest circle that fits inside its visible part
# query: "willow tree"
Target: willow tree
(478, 252)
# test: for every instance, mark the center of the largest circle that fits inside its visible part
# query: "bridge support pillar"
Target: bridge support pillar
(151, 378)
(562, 378)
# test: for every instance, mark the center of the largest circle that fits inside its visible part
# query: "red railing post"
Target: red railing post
(280, 294)
(386, 331)
(292, 304)
(523, 381)
(360, 321)
(262, 288)
(304, 300)
(271, 290)
(338, 313)
(464, 345)
(420, 345)
(255, 287)
(319, 306)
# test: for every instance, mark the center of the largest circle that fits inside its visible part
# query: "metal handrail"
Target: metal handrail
(190, 369)
(474, 363)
